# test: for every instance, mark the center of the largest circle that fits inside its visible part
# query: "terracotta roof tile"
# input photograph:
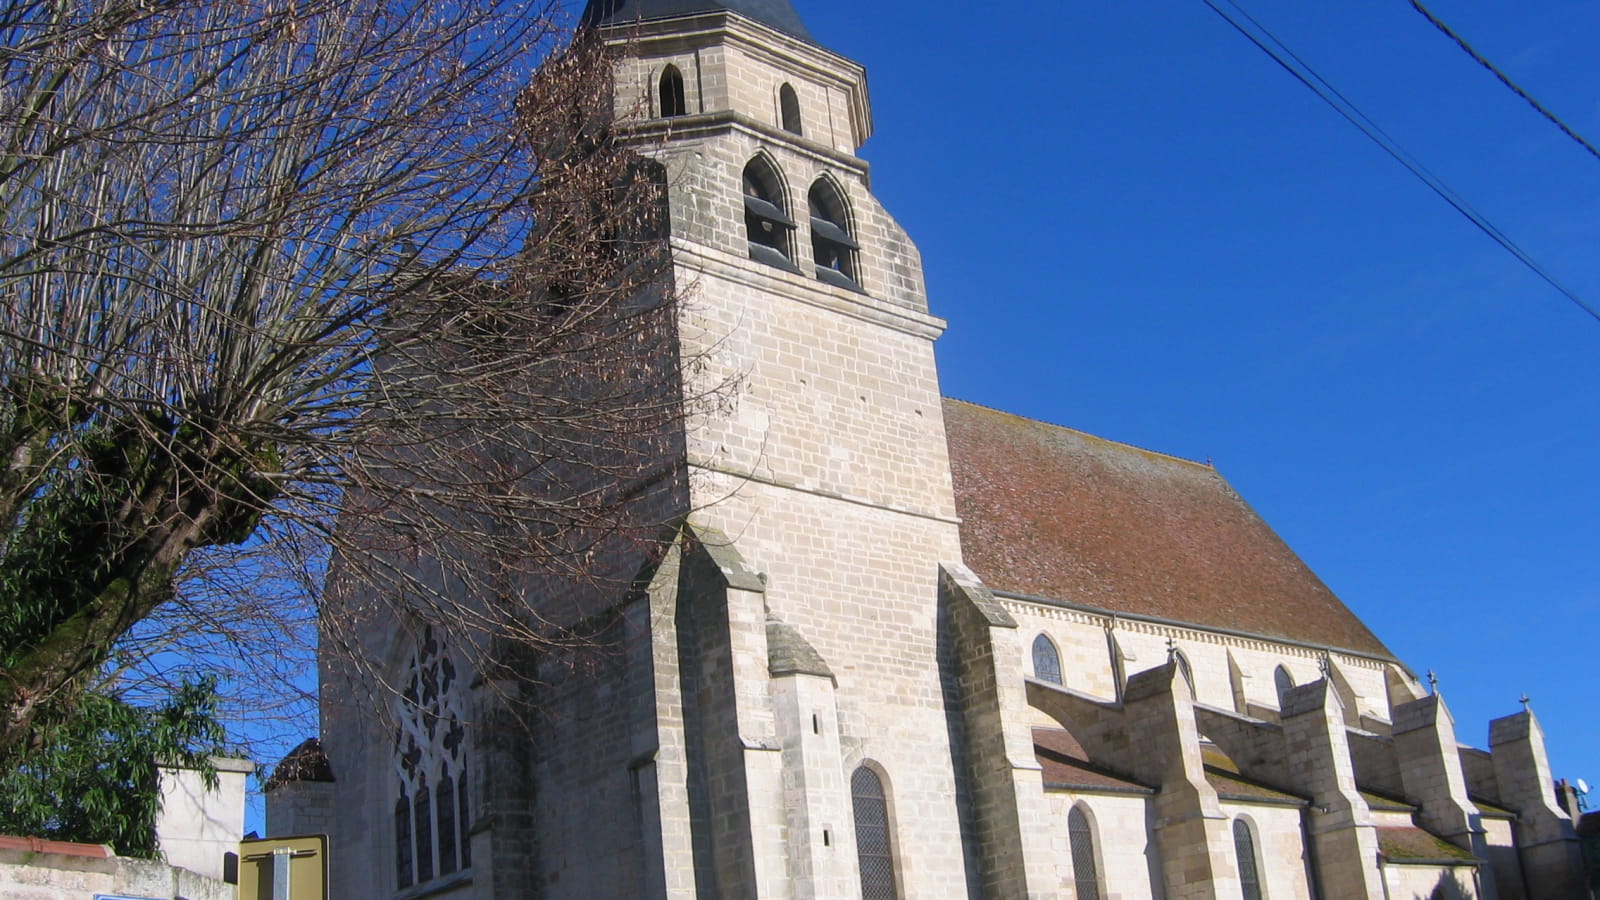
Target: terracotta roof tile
(1231, 786)
(1066, 767)
(59, 848)
(1385, 803)
(1055, 513)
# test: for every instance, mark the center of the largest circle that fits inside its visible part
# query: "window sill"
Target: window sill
(437, 886)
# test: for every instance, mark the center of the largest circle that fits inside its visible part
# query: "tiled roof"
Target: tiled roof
(1230, 786)
(779, 14)
(1488, 808)
(1066, 767)
(1413, 845)
(1058, 514)
(1385, 802)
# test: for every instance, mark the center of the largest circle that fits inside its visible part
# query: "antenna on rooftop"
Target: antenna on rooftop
(1524, 701)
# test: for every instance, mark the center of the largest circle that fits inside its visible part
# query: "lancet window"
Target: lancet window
(1085, 872)
(873, 852)
(671, 94)
(431, 810)
(1283, 681)
(1244, 844)
(767, 226)
(832, 246)
(1046, 660)
(789, 108)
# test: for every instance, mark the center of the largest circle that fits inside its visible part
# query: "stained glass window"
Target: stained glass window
(431, 812)
(1244, 844)
(1084, 872)
(1046, 661)
(872, 835)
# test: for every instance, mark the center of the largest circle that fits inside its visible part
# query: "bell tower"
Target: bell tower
(815, 723)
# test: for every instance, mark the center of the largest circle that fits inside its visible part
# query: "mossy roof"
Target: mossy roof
(1413, 845)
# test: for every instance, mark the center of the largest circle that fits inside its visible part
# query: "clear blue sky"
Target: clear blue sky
(1139, 226)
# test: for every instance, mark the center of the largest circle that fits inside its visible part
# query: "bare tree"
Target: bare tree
(288, 285)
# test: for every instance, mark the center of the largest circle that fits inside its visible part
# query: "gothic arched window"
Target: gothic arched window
(1283, 681)
(1085, 874)
(1244, 846)
(1184, 669)
(430, 813)
(832, 247)
(671, 94)
(789, 108)
(1046, 661)
(766, 225)
(873, 852)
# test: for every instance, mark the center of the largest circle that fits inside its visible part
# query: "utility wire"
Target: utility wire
(1505, 79)
(1308, 76)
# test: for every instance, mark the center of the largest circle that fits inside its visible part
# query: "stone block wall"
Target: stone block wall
(32, 869)
(1126, 854)
(1280, 847)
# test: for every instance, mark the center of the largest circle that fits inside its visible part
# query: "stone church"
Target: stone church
(905, 646)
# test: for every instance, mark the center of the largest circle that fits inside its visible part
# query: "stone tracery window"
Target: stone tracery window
(430, 761)
(1046, 660)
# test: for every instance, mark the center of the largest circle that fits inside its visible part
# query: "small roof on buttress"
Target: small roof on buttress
(778, 14)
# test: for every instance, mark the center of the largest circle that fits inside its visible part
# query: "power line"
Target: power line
(1504, 78)
(1304, 73)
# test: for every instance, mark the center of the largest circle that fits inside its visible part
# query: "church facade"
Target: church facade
(905, 646)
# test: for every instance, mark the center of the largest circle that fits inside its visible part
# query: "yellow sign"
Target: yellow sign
(284, 868)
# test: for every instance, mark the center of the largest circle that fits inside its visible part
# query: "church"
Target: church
(904, 646)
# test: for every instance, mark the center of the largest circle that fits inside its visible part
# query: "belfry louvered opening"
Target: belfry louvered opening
(768, 228)
(833, 247)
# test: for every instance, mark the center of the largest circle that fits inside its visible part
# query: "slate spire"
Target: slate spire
(778, 14)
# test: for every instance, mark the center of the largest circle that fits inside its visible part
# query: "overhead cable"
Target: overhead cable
(1505, 79)
(1302, 71)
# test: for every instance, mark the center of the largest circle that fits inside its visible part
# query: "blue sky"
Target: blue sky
(1139, 226)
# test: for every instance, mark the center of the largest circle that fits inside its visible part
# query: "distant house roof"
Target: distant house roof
(1058, 514)
(306, 762)
(778, 14)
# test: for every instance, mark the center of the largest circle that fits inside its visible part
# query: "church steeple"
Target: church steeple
(777, 14)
